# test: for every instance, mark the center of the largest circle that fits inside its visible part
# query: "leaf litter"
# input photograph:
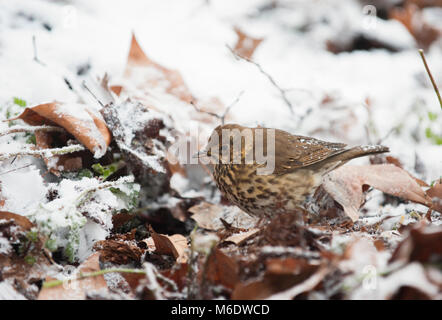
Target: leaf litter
(111, 215)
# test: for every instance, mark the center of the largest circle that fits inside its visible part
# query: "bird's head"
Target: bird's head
(223, 140)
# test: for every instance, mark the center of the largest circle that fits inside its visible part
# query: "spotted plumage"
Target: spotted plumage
(299, 164)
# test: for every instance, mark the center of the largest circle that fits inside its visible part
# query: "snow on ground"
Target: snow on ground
(83, 40)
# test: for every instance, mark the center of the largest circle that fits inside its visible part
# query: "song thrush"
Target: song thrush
(298, 166)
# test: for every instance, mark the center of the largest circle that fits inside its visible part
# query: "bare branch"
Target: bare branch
(16, 129)
(43, 152)
(272, 81)
(226, 111)
(15, 169)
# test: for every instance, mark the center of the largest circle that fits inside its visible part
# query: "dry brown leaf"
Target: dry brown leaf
(305, 286)
(178, 274)
(150, 74)
(77, 289)
(282, 276)
(206, 214)
(425, 3)
(345, 185)
(17, 219)
(69, 162)
(222, 269)
(422, 243)
(239, 238)
(411, 17)
(435, 193)
(85, 125)
(118, 252)
(30, 263)
(382, 159)
(175, 245)
(246, 45)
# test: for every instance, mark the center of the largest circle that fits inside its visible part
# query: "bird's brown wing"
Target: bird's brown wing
(294, 152)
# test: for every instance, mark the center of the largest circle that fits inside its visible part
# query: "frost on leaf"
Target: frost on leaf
(141, 134)
(83, 207)
(79, 121)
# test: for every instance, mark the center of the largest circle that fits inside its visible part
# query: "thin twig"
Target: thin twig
(93, 95)
(105, 185)
(16, 129)
(226, 111)
(272, 81)
(16, 169)
(421, 52)
(230, 106)
(43, 152)
(54, 283)
(34, 44)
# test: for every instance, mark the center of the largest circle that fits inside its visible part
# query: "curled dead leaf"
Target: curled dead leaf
(345, 185)
(421, 244)
(87, 126)
(118, 252)
(147, 74)
(17, 219)
(282, 276)
(174, 245)
(222, 269)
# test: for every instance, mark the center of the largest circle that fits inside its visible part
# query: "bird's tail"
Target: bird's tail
(355, 152)
(361, 151)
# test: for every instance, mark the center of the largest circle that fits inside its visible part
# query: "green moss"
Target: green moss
(105, 171)
(435, 138)
(19, 102)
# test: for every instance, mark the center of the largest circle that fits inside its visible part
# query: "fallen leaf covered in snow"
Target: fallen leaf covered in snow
(345, 185)
(138, 132)
(87, 126)
(147, 74)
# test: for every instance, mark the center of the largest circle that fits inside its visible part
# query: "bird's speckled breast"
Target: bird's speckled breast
(265, 194)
